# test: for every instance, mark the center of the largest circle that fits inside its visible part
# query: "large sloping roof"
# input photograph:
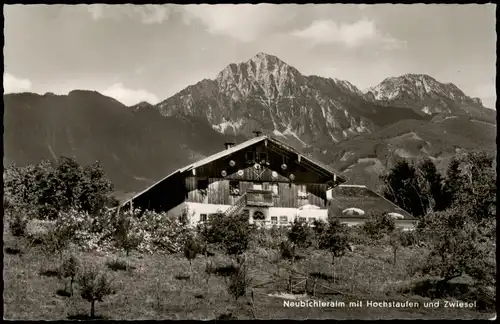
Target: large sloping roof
(360, 197)
(237, 148)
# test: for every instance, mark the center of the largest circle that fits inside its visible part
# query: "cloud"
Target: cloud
(12, 84)
(353, 35)
(130, 97)
(245, 22)
(147, 14)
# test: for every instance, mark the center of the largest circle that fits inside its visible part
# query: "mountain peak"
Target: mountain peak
(417, 76)
(267, 59)
(262, 55)
(431, 95)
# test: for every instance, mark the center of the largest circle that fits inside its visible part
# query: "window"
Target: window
(312, 219)
(203, 217)
(262, 156)
(202, 183)
(302, 191)
(257, 186)
(274, 220)
(234, 188)
(274, 189)
(302, 219)
(250, 156)
(283, 219)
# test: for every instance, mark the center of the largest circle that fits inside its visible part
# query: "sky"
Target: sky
(150, 52)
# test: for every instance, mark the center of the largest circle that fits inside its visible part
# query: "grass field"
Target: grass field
(158, 286)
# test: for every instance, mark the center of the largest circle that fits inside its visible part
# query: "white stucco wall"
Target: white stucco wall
(318, 214)
(196, 209)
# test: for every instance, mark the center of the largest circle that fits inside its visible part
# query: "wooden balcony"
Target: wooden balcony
(259, 198)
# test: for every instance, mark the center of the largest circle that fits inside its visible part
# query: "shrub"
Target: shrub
(117, 264)
(269, 238)
(13, 250)
(357, 235)
(287, 250)
(225, 270)
(18, 223)
(94, 285)
(191, 249)
(409, 238)
(128, 237)
(69, 269)
(239, 282)
(162, 233)
(36, 230)
(395, 242)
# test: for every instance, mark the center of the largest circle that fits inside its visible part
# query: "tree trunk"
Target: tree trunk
(71, 287)
(92, 309)
(333, 268)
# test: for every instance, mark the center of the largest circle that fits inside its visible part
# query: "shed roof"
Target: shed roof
(359, 196)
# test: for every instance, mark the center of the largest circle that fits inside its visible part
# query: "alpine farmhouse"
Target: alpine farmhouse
(264, 178)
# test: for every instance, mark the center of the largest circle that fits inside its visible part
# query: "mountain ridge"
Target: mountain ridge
(329, 119)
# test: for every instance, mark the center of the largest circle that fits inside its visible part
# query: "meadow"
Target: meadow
(160, 285)
(68, 254)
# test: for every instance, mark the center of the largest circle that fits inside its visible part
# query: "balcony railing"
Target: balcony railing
(259, 198)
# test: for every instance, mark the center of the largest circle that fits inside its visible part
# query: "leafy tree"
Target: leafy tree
(46, 189)
(20, 189)
(96, 190)
(336, 240)
(458, 247)
(231, 232)
(401, 187)
(477, 191)
(127, 236)
(69, 176)
(239, 281)
(300, 234)
(319, 227)
(191, 249)
(470, 183)
(452, 183)
(58, 238)
(69, 269)
(430, 183)
(395, 241)
(95, 285)
(378, 225)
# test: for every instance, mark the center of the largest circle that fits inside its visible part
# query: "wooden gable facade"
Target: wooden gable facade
(265, 170)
